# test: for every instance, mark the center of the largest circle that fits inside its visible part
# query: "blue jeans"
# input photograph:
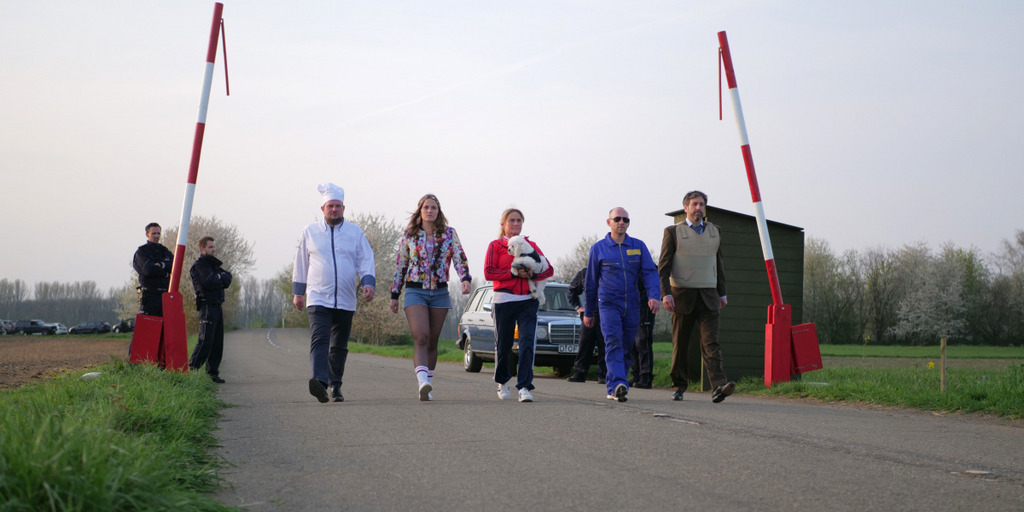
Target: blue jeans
(328, 348)
(506, 316)
(618, 325)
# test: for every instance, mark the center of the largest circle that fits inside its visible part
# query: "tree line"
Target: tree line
(915, 296)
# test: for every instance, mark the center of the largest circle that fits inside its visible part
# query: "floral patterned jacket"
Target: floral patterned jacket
(414, 264)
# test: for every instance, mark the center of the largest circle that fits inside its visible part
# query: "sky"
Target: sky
(872, 124)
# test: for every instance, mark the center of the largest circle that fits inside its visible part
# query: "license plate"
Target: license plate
(568, 349)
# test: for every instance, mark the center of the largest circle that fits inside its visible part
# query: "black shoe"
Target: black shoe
(576, 378)
(336, 394)
(722, 391)
(677, 395)
(620, 392)
(319, 390)
(217, 379)
(644, 385)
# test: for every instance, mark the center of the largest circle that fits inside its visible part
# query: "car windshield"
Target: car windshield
(557, 299)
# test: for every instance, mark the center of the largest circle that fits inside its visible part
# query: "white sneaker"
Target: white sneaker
(503, 393)
(430, 397)
(425, 389)
(525, 396)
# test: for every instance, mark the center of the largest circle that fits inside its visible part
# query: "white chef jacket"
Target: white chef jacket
(331, 263)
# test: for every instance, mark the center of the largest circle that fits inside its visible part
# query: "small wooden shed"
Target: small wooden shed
(741, 333)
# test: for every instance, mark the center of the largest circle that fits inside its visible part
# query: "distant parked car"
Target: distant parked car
(7, 327)
(61, 329)
(126, 325)
(90, 328)
(558, 331)
(35, 327)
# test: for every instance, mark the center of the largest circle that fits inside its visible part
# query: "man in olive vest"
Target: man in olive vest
(693, 289)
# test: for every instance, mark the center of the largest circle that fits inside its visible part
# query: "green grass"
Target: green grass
(998, 392)
(952, 351)
(135, 438)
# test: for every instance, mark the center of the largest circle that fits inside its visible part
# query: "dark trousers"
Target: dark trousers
(506, 316)
(590, 337)
(328, 347)
(706, 321)
(643, 349)
(151, 304)
(209, 350)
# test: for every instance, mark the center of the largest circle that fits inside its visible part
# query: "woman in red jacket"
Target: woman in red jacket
(513, 305)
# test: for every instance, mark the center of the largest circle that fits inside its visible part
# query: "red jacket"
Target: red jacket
(498, 268)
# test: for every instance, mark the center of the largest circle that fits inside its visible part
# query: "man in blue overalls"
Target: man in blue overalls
(614, 266)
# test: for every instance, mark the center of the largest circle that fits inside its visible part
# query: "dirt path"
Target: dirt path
(27, 359)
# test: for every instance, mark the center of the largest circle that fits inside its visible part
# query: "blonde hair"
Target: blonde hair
(504, 217)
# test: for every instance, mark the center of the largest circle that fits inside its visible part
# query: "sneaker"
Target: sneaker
(336, 394)
(722, 391)
(430, 397)
(317, 389)
(577, 378)
(217, 379)
(525, 396)
(425, 389)
(677, 395)
(611, 397)
(503, 392)
(621, 392)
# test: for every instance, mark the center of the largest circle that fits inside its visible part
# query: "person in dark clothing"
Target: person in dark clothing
(152, 262)
(642, 365)
(589, 336)
(209, 279)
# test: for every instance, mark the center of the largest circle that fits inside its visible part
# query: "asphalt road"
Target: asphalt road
(573, 449)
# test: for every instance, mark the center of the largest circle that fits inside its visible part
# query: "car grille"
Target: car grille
(564, 333)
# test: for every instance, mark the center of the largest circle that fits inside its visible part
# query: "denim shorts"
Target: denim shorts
(429, 298)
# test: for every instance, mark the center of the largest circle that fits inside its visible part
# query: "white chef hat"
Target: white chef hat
(330, 192)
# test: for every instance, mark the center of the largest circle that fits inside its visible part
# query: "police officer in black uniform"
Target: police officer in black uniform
(642, 364)
(590, 337)
(153, 263)
(209, 279)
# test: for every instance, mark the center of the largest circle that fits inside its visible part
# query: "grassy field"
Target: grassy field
(134, 438)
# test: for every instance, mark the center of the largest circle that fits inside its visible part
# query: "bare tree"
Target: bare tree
(567, 266)
(232, 249)
(833, 293)
(374, 322)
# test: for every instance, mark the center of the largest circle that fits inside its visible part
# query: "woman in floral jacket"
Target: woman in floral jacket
(427, 247)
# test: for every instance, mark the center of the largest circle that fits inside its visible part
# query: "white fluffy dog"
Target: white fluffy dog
(527, 258)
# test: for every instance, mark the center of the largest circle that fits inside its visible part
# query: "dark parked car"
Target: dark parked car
(126, 325)
(90, 328)
(558, 331)
(35, 327)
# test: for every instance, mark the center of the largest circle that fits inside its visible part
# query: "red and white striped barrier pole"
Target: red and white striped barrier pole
(197, 148)
(780, 359)
(163, 340)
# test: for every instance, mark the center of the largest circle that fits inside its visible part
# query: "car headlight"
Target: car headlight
(542, 332)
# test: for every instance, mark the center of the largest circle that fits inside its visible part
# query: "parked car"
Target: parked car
(126, 325)
(35, 327)
(61, 329)
(90, 328)
(7, 327)
(558, 331)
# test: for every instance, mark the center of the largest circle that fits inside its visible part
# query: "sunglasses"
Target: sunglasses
(621, 219)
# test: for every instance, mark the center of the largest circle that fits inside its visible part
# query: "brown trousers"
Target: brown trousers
(683, 324)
